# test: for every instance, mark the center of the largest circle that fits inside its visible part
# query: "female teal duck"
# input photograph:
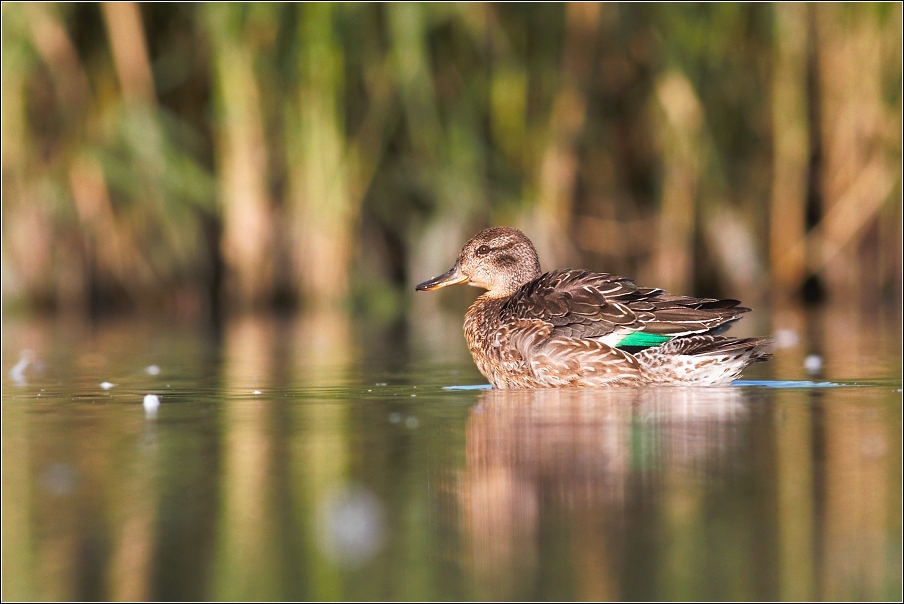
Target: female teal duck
(576, 328)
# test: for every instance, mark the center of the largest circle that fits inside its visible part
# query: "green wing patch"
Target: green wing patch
(642, 339)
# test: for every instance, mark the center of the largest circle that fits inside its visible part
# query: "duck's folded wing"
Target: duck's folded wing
(576, 303)
(555, 360)
(580, 304)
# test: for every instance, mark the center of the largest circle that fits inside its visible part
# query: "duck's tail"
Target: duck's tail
(704, 360)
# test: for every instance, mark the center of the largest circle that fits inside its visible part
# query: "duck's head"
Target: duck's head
(500, 260)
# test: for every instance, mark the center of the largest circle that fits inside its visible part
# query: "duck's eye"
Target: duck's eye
(483, 250)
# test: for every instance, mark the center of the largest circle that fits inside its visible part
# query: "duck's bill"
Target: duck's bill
(453, 276)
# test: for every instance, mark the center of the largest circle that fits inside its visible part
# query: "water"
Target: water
(322, 459)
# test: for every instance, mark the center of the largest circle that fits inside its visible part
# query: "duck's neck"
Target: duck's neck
(482, 317)
(512, 283)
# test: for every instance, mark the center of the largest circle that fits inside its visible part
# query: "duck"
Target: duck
(577, 328)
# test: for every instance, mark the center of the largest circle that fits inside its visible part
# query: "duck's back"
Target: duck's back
(583, 304)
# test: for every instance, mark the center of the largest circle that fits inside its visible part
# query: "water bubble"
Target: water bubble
(152, 370)
(395, 417)
(411, 422)
(785, 338)
(873, 446)
(17, 373)
(350, 521)
(106, 385)
(813, 363)
(59, 479)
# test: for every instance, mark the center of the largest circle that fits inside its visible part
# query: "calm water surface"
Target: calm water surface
(315, 458)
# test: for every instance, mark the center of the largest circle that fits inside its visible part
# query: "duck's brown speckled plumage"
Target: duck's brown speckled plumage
(561, 328)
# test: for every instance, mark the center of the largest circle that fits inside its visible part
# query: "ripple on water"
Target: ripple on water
(742, 383)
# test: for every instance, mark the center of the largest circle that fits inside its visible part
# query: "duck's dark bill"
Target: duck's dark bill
(453, 276)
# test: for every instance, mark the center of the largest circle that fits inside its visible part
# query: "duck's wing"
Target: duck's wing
(580, 304)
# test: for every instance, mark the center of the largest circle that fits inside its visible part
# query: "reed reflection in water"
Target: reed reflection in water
(245, 531)
(285, 465)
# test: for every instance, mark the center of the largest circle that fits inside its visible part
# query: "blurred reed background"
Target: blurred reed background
(199, 157)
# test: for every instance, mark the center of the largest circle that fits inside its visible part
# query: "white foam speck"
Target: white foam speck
(151, 403)
(106, 385)
(152, 370)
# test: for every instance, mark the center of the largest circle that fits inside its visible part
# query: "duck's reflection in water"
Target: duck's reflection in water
(559, 477)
